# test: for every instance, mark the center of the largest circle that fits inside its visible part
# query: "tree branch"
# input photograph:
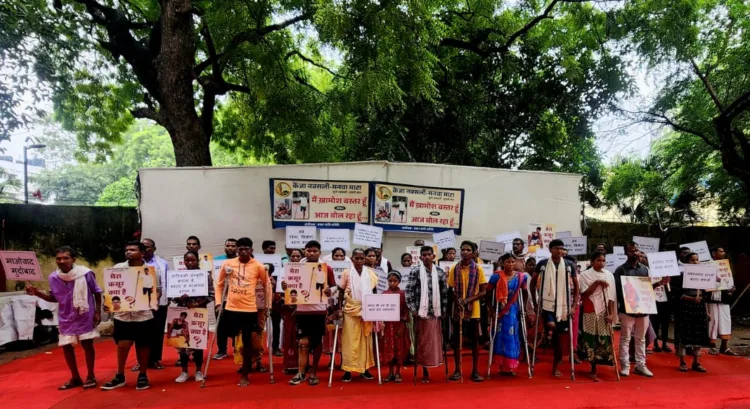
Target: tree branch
(146, 113)
(740, 105)
(665, 120)
(211, 50)
(531, 24)
(310, 61)
(707, 85)
(254, 36)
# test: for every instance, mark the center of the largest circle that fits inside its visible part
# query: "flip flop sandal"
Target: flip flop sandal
(90, 383)
(389, 378)
(73, 383)
(476, 378)
(425, 380)
(312, 381)
(455, 377)
(729, 352)
(262, 369)
(683, 368)
(135, 368)
(699, 368)
(397, 379)
(158, 367)
(713, 351)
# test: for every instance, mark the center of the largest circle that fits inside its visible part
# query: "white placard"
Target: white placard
(272, 259)
(446, 265)
(491, 250)
(217, 267)
(298, 236)
(405, 273)
(382, 280)
(507, 239)
(194, 283)
(618, 250)
(339, 267)
(647, 244)
(613, 261)
(332, 238)
(178, 263)
(659, 293)
(700, 248)
(700, 276)
(381, 307)
(541, 254)
(445, 239)
(415, 252)
(663, 264)
(489, 270)
(724, 275)
(575, 245)
(563, 234)
(368, 236)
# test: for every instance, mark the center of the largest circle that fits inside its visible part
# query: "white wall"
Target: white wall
(217, 203)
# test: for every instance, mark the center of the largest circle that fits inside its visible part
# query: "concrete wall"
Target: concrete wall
(216, 203)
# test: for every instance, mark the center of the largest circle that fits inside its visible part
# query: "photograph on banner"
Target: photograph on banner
(663, 264)
(540, 235)
(638, 295)
(724, 275)
(381, 307)
(612, 261)
(660, 295)
(305, 283)
(405, 273)
(332, 238)
(21, 266)
(194, 283)
(700, 276)
(424, 209)
(339, 268)
(700, 248)
(647, 244)
(445, 239)
(130, 289)
(322, 203)
(576, 246)
(297, 236)
(187, 327)
(563, 234)
(491, 250)
(368, 236)
(507, 239)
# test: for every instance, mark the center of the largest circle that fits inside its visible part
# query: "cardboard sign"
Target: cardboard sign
(491, 250)
(618, 250)
(507, 239)
(541, 254)
(21, 266)
(659, 293)
(272, 259)
(381, 307)
(445, 239)
(382, 280)
(332, 238)
(724, 275)
(489, 270)
(305, 283)
(663, 264)
(575, 245)
(563, 234)
(298, 236)
(415, 252)
(339, 267)
(613, 261)
(647, 244)
(405, 273)
(638, 295)
(130, 289)
(446, 265)
(368, 236)
(194, 283)
(700, 248)
(700, 276)
(217, 267)
(187, 327)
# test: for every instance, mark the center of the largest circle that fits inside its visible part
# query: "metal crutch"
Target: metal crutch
(570, 326)
(269, 339)
(333, 354)
(377, 357)
(522, 306)
(216, 334)
(492, 338)
(416, 347)
(611, 336)
(537, 321)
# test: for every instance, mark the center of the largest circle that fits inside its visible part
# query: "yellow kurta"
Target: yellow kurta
(356, 337)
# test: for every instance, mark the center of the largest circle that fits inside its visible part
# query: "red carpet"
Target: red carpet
(31, 383)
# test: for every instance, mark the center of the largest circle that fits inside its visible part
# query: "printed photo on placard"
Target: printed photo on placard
(187, 327)
(305, 283)
(130, 289)
(638, 295)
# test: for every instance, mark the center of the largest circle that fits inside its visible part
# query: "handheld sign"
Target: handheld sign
(638, 295)
(663, 264)
(491, 250)
(187, 327)
(724, 275)
(415, 252)
(618, 250)
(700, 276)
(445, 239)
(614, 260)
(563, 234)
(507, 239)
(647, 244)
(381, 307)
(272, 259)
(405, 273)
(21, 266)
(130, 289)
(575, 245)
(305, 283)
(332, 238)
(446, 265)
(194, 283)
(298, 236)
(382, 280)
(339, 268)
(369, 236)
(489, 270)
(700, 248)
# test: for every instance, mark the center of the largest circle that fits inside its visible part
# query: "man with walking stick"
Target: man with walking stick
(466, 282)
(554, 277)
(427, 298)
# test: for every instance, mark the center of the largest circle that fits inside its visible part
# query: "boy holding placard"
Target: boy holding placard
(74, 288)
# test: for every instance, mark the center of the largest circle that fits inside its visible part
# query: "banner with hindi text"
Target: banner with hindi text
(320, 203)
(399, 207)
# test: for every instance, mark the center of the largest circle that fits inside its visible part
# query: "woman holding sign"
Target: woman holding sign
(691, 322)
(598, 295)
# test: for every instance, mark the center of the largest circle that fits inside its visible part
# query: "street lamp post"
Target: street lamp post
(26, 170)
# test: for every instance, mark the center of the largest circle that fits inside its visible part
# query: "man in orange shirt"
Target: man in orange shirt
(242, 275)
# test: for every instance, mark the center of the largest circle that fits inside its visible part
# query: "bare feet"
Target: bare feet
(243, 381)
(593, 377)
(556, 373)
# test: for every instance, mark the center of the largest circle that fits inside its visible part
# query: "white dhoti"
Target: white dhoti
(720, 326)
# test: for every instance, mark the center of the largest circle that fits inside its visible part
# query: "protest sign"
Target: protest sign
(540, 235)
(298, 236)
(272, 259)
(647, 244)
(724, 275)
(417, 208)
(489, 270)
(416, 253)
(563, 234)
(575, 245)
(321, 203)
(541, 254)
(618, 250)
(187, 327)
(130, 289)
(612, 261)
(491, 250)
(382, 280)
(305, 283)
(663, 264)
(206, 261)
(21, 266)
(582, 266)
(405, 273)
(178, 263)
(445, 239)
(215, 271)
(660, 295)
(700, 276)
(332, 238)
(446, 265)
(339, 268)
(700, 248)
(507, 239)
(194, 283)
(368, 236)
(381, 307)
(638, 295)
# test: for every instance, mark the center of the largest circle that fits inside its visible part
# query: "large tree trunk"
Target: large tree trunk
(174, 67)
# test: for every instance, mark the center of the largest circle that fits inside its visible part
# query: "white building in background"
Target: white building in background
(13, 168)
